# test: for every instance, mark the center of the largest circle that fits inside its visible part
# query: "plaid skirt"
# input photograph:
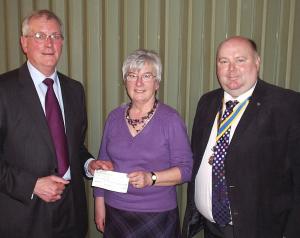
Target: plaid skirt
(128, 224)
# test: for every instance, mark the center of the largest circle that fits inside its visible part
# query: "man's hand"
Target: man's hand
(100, 164)
(50, 188)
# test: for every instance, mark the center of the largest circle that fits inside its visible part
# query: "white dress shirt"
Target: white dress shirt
(203, 181)
(41, 90)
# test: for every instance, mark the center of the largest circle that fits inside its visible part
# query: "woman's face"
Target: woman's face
(141, 84)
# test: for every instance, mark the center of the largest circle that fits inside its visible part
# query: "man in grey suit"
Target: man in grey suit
(246, 174)
(35, 199)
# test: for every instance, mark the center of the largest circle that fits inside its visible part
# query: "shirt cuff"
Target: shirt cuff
(86, 166)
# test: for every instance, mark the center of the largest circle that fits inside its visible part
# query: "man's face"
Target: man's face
(237, 66)
(43, 54)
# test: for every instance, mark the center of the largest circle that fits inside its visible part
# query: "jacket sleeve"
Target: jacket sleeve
(15, 182)
(293, 223)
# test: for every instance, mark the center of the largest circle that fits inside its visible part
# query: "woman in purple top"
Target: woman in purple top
(147, 140)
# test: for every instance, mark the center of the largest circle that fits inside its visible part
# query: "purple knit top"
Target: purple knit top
(162, 144)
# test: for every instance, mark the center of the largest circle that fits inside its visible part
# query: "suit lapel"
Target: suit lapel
(68, 105)
(249, 116)
(33, 104)
(212, 111)
(203, 125)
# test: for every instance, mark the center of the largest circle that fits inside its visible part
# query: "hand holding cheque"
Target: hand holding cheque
(110, 180)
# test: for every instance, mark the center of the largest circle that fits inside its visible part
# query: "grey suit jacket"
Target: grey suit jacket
(262, 164)
(27, 153)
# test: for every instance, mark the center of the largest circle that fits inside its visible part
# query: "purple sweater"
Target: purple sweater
(162, 144)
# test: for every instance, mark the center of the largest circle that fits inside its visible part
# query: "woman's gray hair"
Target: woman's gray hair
(38, 14)
(137, 60)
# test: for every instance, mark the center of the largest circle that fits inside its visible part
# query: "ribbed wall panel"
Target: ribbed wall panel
(99, 34)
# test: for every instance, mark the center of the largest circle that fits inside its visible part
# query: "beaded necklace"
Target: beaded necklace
(141, 121)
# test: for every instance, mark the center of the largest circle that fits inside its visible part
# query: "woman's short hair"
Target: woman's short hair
(38, 14)
(137, 59)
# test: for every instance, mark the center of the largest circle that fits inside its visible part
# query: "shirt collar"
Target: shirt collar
(37, 76)
(242, 97)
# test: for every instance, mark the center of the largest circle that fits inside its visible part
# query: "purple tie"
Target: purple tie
(220, 201)
(56, 127)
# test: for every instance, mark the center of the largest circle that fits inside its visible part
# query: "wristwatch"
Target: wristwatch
(153, 177)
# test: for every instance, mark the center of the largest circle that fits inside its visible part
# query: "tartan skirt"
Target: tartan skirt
(129, 224)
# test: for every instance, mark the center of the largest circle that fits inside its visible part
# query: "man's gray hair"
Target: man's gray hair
(38, 14)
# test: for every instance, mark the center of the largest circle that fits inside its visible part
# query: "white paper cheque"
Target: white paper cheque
(110, 180)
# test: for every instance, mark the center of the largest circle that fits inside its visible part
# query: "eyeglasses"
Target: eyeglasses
(41, 37)
(145, 77)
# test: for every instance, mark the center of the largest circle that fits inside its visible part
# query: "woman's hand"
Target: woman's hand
(100, 213)
(140, 179)
(168, 177)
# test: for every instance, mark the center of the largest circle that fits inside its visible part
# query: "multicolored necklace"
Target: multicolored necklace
(141, 121)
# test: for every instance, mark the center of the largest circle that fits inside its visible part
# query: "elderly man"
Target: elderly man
(42, 131)
(246, 146)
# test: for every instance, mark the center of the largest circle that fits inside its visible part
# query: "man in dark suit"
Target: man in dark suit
(35, 199)
(258, 192)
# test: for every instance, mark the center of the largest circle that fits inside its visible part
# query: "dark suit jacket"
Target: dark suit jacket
(27, 153)
(262, 164)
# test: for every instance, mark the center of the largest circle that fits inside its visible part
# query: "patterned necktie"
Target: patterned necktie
(56, 127)
(220, 201)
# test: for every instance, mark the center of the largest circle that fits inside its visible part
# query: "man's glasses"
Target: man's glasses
(145, 77)
(41, 37)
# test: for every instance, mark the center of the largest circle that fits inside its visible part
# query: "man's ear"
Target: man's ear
(23, 41)
(257, 62)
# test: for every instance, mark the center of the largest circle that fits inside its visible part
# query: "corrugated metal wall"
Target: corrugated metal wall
(100, 33)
